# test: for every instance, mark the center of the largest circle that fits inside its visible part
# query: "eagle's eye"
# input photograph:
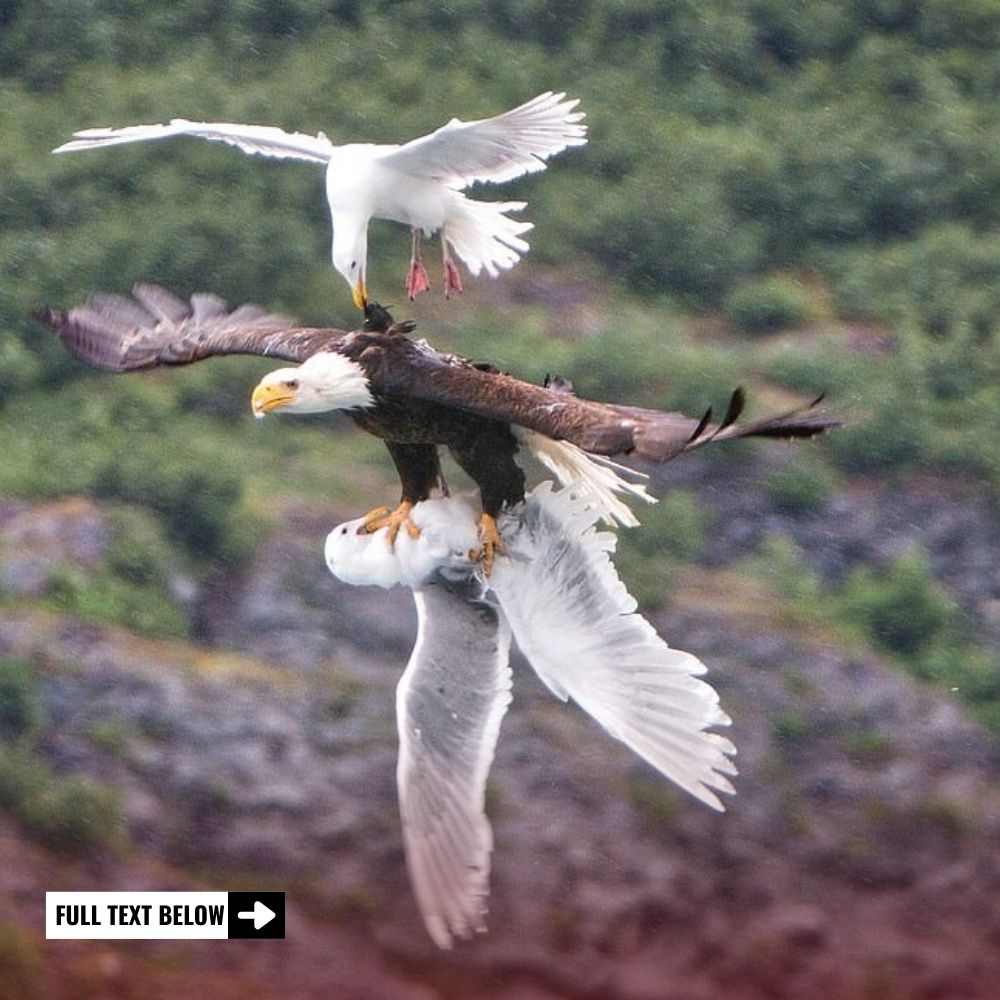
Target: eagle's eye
(354, 264)
(292, 383)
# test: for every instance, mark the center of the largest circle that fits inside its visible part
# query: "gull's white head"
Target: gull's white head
(350, 255)
(326, 381)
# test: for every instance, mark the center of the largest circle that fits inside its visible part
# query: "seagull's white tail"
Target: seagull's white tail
(592, 477)
(482, 235)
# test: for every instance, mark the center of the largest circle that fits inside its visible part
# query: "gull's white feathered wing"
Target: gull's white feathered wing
(577, 625)
(495, 149)
(260, 140)
(449, 705)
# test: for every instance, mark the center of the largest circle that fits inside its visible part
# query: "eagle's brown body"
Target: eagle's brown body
(422, 399)
(413, 432)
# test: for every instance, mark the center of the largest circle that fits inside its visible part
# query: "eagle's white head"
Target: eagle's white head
(326, 381)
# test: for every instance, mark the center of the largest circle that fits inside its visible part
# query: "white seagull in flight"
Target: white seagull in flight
(556, 592)
(419, 183)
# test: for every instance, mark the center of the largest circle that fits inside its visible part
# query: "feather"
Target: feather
(592, 476)
(495, 149)
(449, 705)
(577, 625)
(155, 327)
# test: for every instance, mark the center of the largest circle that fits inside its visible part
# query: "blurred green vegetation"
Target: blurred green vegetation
(730, 138)
(785, 163)
(672, 533)
(132, 586)
(800, 196)
(899, 610)
(751, 156)
(71, 814)
(774, 302)
(20, 705)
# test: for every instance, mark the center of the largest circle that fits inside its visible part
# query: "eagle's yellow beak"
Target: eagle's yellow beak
(360, 291)
(270, 396)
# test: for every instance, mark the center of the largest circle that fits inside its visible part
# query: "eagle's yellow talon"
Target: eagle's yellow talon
(491, 544)
(382, 517)
(374, 520)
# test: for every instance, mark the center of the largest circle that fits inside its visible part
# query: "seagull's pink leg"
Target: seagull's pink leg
(452, 279)
(416, 278)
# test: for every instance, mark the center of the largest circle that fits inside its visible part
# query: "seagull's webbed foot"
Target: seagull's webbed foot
(490, 542)
(452, 279)
(394, 520)
(416, 278)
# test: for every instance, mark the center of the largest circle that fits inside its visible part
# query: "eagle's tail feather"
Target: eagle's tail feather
(658, 436)
(482, 235)
(588, 475)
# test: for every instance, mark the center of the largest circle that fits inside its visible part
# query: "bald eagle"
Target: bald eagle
(415, 398)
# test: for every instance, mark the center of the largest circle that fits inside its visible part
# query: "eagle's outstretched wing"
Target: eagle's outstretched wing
(494, 149)
(414, 369)
(449, 704)
(263, 140)
(157, 328)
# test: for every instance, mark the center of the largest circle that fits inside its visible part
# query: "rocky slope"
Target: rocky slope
(858, 859)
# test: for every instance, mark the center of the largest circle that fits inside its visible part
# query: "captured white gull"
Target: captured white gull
(557, 592)
(419, 183)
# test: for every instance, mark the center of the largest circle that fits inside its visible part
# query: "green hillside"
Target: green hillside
(798, 196)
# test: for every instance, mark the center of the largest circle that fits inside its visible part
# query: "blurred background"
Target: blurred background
(796, 196)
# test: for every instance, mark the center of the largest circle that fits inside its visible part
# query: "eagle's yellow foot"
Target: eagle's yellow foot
(382, 517)
(490, 543)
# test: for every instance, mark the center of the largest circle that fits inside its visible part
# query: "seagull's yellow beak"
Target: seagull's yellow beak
(270, 396)
(360, 291)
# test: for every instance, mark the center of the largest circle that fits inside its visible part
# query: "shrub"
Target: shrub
(868, 747)
(201, 505)
(894, 435)
(132, 586)
(781, 564)
(799, 487)
(21, 772)
(74, 815)
(672, 533)
(103, 596)
(763, 305)
(902, 610)
(20, 706)
(792, 731)
(656, 801)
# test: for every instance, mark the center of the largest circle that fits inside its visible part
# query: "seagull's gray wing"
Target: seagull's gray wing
(449, 704)
(577, 625)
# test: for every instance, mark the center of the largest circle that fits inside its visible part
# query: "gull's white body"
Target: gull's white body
(448, 532)
(418, 183)
(557, 592)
